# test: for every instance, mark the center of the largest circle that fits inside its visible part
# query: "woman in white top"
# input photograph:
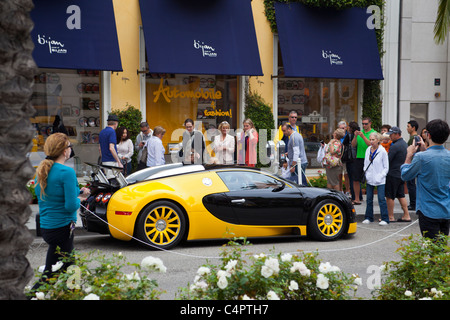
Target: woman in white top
(125, 148)
(376, 167)
(224, 145)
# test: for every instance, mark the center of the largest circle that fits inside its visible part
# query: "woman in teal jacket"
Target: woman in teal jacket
(59, 199)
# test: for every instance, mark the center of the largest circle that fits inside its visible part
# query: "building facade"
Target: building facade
(170, 75)
(423, 67)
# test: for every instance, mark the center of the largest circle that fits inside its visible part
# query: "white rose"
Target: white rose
(266, 272)
(153, 264)
(293, 285)
(322, 282)
(222, 283)
(271, 295)
(92, 296)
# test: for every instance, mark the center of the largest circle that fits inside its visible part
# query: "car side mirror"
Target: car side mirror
(279, 188)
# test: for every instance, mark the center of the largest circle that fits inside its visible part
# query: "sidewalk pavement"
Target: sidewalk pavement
(360, 211)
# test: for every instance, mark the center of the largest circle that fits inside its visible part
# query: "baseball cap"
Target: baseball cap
(113, 117)
(394, 130)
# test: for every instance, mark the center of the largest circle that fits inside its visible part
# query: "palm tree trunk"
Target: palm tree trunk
(17, 70)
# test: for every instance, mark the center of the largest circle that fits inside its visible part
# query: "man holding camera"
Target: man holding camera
(361, 143)
(431, 167)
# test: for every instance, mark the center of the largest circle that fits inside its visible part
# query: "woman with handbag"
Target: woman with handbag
(332, 159)
(376, 167)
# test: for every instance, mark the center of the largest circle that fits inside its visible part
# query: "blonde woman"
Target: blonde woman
(224, 145)
(376, 168)
(59, 199)
(247, 144)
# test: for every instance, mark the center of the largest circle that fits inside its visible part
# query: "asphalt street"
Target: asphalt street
(361, 253)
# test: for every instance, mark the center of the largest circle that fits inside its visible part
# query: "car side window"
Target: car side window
(241, 180)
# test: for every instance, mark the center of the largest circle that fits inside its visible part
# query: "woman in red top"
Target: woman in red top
(247, 142)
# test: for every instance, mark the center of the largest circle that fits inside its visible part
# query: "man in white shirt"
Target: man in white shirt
(295, 152)
(155, 148)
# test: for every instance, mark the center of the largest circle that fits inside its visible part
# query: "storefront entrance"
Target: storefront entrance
(206, 99)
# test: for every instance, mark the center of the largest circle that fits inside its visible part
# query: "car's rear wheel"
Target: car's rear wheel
(161, 225)
(327, 221)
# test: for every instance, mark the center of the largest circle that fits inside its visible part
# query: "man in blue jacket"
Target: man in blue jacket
(431, 167)
(108, 142)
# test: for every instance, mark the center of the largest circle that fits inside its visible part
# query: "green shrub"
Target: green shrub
(422, 273)
(261, 115)
(320, 181)
(130, 118)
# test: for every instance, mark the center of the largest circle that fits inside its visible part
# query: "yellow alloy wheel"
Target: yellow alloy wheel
(330, 219)
(327, 221)
(161, 225)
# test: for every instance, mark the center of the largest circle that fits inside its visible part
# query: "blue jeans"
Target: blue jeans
(381, 202)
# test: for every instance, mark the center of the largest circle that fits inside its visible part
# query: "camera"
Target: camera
(417, 140)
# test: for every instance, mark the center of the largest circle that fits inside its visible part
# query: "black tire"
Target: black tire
(161, 225)
(328, 221)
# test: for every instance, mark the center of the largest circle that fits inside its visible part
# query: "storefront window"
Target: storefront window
(320, 103)
(206, 99)
(67, 101)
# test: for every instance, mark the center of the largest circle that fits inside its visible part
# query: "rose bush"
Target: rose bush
(423, 272)
(270, 277)
(97, 277)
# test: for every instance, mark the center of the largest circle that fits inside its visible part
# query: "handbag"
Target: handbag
(364, 180)
(320, 154)
(144, 154)
(333, 160)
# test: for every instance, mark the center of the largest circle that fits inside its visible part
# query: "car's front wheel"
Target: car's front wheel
(327, 221)
(161, 225)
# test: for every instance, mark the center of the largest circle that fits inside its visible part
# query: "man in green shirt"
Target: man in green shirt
(361, 142)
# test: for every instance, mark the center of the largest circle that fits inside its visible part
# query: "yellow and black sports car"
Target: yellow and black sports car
(164, 205)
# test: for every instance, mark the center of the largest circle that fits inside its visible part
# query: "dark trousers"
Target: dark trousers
(430, 228)
(350, 180)
(411, 185)
(61, 238)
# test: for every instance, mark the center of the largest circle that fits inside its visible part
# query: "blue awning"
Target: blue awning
(75, 34)
(327, 43)
(200, 37)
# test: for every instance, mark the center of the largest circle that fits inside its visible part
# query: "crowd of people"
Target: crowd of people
(116, 147)
(386, 162)
(353, 158)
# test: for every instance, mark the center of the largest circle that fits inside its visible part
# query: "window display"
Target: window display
(206, 99)
(67, 101)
